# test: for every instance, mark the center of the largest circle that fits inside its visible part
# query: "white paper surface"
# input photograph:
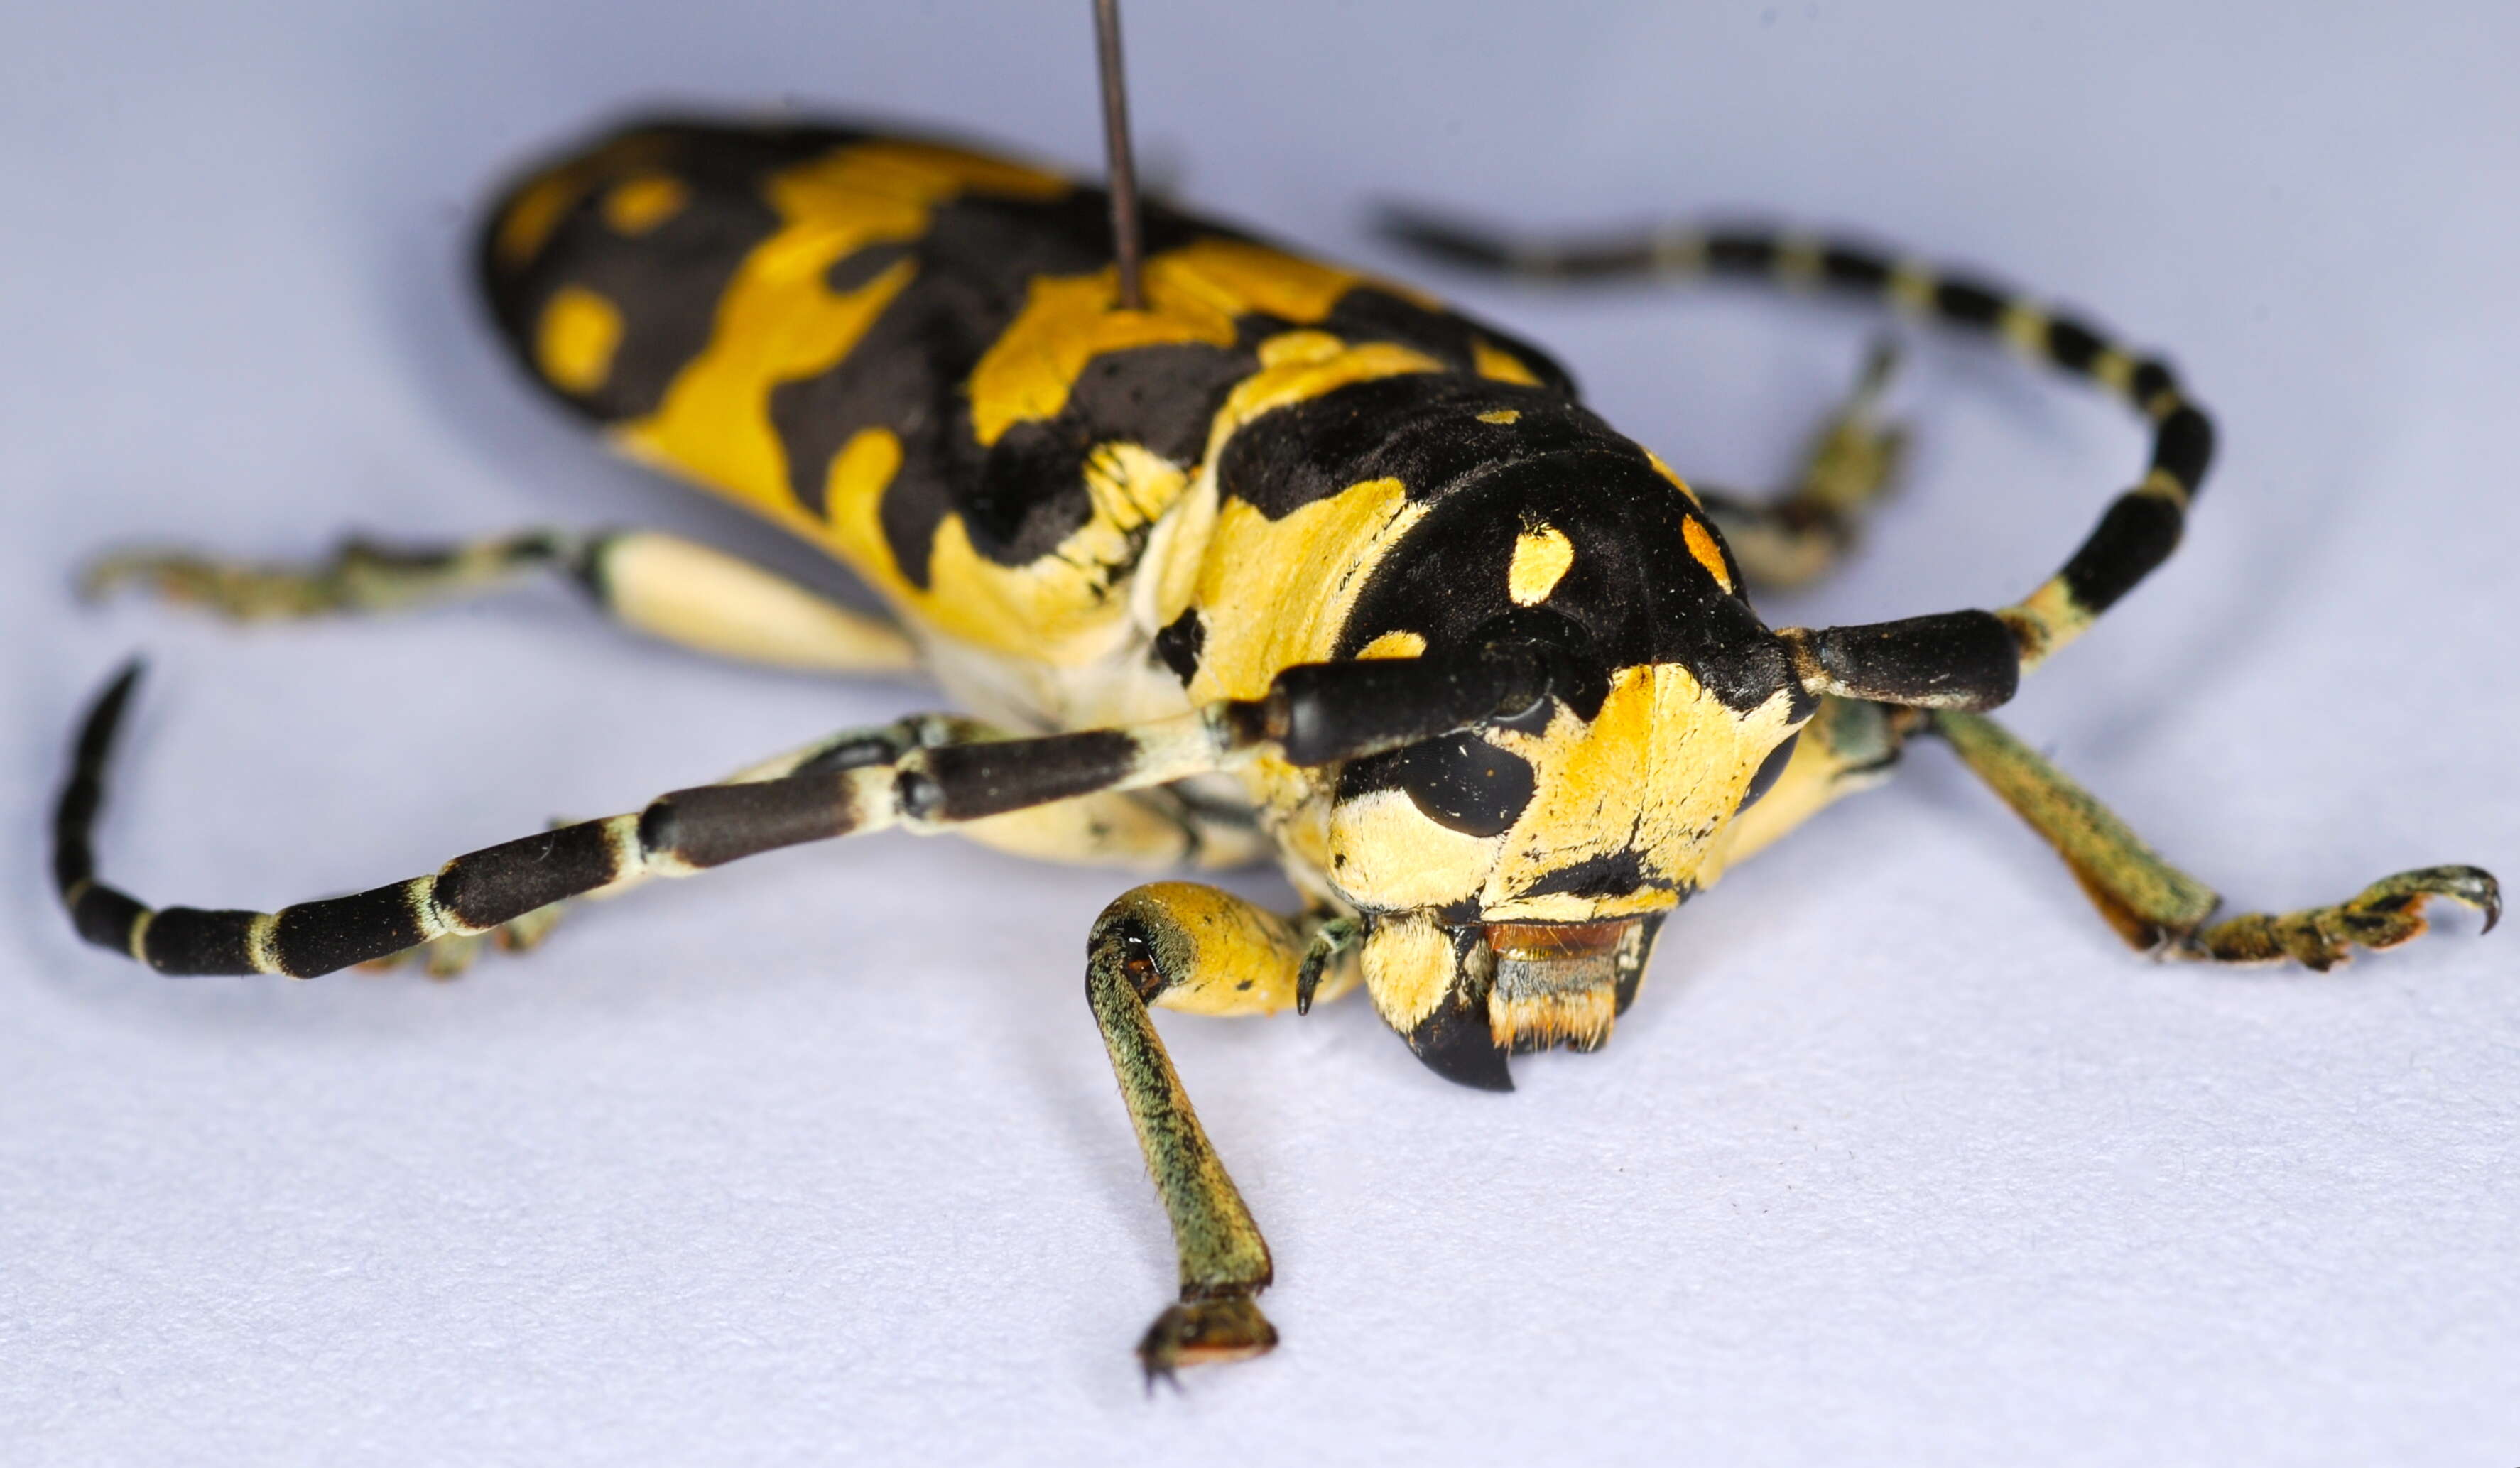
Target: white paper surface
(1900, 1158)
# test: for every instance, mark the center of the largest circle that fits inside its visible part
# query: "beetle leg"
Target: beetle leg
(1791, 538)
(2161, 910)
(1186, 946)
(677, 590)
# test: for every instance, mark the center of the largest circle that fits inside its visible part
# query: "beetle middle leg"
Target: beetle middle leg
(2161, 910)
(1793, 538)
(1185, 946)
(677, 590)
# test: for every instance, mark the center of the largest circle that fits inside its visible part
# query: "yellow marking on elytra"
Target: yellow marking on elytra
(577, 337)
(1408, 963)
(1500, 416)
(1059, 609)
(1540, 556)
(536, 213)
(1295, 348)
(1193, 294)
(1494, 362)
(1660, 770)
(1666, 470)
(538, 207)
(1394, 644)
(1702, 545)
(778, 322)
(640, 203)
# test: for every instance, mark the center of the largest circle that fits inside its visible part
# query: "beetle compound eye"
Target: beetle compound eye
(1459, 781)
(1465, 782)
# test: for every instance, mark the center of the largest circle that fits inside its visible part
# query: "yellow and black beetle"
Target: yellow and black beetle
(1235, 556)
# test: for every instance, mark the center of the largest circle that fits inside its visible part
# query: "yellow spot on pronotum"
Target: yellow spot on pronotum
(1395, 644)
(1493, 361)
(1500, 416)
(1665, 470)
(639, 204)
(1540, 556)
(1701, 544)
(576, 338)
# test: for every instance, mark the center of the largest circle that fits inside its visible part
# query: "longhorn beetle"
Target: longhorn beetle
(1235, 556)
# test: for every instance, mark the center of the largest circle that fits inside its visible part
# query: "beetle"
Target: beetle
(1234, 555)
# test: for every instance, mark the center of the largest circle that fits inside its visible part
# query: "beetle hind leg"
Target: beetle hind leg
(359, 576)
(676, 590)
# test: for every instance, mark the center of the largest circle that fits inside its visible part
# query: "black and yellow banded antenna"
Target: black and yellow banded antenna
(1127, 244)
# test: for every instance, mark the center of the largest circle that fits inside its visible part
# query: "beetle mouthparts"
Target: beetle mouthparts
(1556, 983)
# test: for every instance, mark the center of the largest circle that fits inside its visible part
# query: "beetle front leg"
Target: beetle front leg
(1193, 948)
(2158, 908)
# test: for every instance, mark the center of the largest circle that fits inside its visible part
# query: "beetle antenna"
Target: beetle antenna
(1126, 246)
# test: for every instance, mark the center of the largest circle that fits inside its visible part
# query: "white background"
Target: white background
(1900, 1159)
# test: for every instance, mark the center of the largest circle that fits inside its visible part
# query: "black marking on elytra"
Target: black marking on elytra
(1764, 779)
(192, 941)
(991, 778)
(857, 269)
(1369, 313)
(710, 826)
(1603, 874)
(2137, 534)
(974, 266)
(319, 936)
(1458, 780)
(1180, 643)
(485, 888)
(1162, 398)
(666, 282)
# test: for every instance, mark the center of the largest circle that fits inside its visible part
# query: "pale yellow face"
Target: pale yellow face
(1619, 813)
